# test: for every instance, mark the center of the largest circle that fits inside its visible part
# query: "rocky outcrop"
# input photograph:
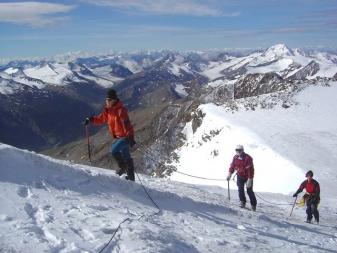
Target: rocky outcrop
(309, 70)
(259, 84)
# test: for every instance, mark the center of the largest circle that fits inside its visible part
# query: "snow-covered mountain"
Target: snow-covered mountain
(284, 141)
(52, 96)
(49, 205)
(278, 59)
(107, 70)
(59, 74)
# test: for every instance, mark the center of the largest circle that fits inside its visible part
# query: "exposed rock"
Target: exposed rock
(311, 69)
(258, 84)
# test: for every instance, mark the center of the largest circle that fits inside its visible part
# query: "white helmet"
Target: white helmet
(239, 147)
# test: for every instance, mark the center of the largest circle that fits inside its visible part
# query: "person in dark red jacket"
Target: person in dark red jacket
(243, 164)
(115, 115)
(312, 196)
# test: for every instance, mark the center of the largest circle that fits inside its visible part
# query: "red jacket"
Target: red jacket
(243, 165)
(117, 119)
(312, 187)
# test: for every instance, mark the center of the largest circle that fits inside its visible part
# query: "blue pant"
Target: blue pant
(121, 146)
(241, 186)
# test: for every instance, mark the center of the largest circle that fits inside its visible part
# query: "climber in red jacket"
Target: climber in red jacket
(115, 115)
(243, 164)
(312, 196)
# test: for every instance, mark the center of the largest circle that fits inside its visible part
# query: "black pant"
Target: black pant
(312, 204)
(241, 187)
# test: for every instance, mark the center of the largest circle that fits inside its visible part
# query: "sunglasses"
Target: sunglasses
(238, 150)
(109, 99)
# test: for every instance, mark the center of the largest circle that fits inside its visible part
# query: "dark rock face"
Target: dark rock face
(120, 71)
(311, 69)
(259, 84)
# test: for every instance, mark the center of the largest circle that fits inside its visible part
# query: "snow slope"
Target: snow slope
(55, 206)
(284, 143)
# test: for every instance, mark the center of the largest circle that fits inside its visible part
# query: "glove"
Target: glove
(87, 121)
(295, 195)
(228, 176)
(131, 140)
(249, 183)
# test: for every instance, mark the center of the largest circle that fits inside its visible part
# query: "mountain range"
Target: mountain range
(43, 102)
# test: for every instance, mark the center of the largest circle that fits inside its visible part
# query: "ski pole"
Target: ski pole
(229, 195)
(88, 141)
(293, 207)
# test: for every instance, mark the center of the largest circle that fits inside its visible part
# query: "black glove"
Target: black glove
(131, 140)
(87, 121)
(295, 195)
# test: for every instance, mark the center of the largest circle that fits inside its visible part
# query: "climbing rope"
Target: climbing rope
(204, 178)
(114, 233)
(221, 179)
(272, 203)
(139, 218)
(148, 195)
(126, 219)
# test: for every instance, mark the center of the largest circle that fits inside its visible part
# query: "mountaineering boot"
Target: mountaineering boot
(317, 220)
(130, 170)
(308, 220)
(121, 164)
(254, 208)
(242, 204)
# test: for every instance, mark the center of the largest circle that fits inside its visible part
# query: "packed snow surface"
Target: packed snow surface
(55, 206)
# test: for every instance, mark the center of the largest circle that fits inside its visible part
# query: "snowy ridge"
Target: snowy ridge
(279, 59)
(41, 74)
(55, 206)
(284, 143)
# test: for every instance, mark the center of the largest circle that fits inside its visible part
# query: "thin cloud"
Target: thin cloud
(165, 7)
(36, 14)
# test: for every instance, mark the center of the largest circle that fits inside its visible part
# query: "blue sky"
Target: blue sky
(46, 28)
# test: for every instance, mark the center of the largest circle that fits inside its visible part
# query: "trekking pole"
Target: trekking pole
(229, 194)
(88, 141)
(293, 207)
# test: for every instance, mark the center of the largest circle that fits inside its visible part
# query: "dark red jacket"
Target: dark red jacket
(243, 165)
(312, 187)
(117, 119)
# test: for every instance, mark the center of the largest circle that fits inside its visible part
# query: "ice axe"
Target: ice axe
(229, 194)
(293, 207)
(88, 141)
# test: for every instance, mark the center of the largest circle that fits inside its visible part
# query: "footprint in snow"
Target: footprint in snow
(84, 234)
(23, 192)
(99, 207)
(84, 182)
(30, 210)
(108, 231)
(4, 217)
